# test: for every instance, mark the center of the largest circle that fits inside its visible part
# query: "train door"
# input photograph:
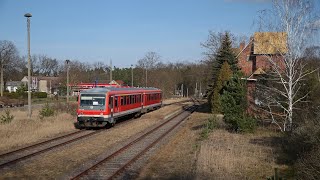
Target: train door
(110, 104)
(116, 105)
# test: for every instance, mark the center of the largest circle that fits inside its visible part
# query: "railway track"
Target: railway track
(116, 163)
(13, 157)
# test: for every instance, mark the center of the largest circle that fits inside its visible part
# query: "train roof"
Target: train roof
(109, 89)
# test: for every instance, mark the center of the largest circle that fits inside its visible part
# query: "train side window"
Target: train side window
(110, 101)
(121, 100)
(116, 101)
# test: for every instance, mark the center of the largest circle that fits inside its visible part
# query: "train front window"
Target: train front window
(92, 100)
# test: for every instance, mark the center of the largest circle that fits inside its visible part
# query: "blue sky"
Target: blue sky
(124, 30)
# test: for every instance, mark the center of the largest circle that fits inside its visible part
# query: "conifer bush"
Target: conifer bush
(46, 111)
(234, 106)
(7, 117)
(225, 74)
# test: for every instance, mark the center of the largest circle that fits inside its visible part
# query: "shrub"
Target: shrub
(208, 127)
(302, 147)
(64, 107)
(12, 95)
(234, 106)
(7, 117)
(225, 73)
(308, 166)
(46, 111)
(39, 94)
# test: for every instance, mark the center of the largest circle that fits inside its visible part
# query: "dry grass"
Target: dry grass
(76, 154)
(223, 155)
(22, 131)
(227, 155)
(25, 131)
(177, 158)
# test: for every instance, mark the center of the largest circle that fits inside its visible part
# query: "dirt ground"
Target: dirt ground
(22, 131)
(59, 162)
(223, 155)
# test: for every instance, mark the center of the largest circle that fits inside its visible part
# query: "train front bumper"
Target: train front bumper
(92, 121)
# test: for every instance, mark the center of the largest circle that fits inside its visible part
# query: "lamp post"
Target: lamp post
(131, 75)
(146, 76)
(28, 16)
(67, 62)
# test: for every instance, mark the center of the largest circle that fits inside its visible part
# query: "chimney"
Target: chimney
(242, 44)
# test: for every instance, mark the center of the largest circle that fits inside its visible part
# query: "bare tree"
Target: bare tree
(8, 51)
(150, 60)
(47, 66)
(295, 20)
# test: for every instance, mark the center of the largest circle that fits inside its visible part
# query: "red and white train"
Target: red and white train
(99, 107)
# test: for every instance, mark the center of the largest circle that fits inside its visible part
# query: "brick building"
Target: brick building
(253, 57)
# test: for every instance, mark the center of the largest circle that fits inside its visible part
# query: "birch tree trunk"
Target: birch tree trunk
(295, 20)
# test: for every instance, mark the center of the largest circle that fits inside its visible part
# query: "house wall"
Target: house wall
(12, 88)
(249, 62)
(43, 86)
(243, 60)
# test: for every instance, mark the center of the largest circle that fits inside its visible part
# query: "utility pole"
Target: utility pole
(182, 90)
(187, 92)
(200, 94)
(146, 77)
(67, 62)
(131, 75)
(110, 70)
(28, 16)
(175, 89)
(196, 90)
(2, 84)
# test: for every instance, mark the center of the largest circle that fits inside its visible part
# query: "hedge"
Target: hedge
(15, 95)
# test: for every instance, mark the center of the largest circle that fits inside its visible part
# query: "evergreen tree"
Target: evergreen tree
(234, 105)
(225, 74)
(224, 54)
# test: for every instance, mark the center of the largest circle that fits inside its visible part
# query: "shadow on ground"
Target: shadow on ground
(276, 143)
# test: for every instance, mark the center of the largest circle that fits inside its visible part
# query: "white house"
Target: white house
(12, 86)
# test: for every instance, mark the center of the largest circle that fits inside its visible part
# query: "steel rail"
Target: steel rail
(85, 172)
(46, 149)
(121, 169)
(38, 144)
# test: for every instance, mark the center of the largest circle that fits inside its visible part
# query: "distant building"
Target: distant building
(12, 86)
(43, 84)
(253, 58)
(76, 88)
